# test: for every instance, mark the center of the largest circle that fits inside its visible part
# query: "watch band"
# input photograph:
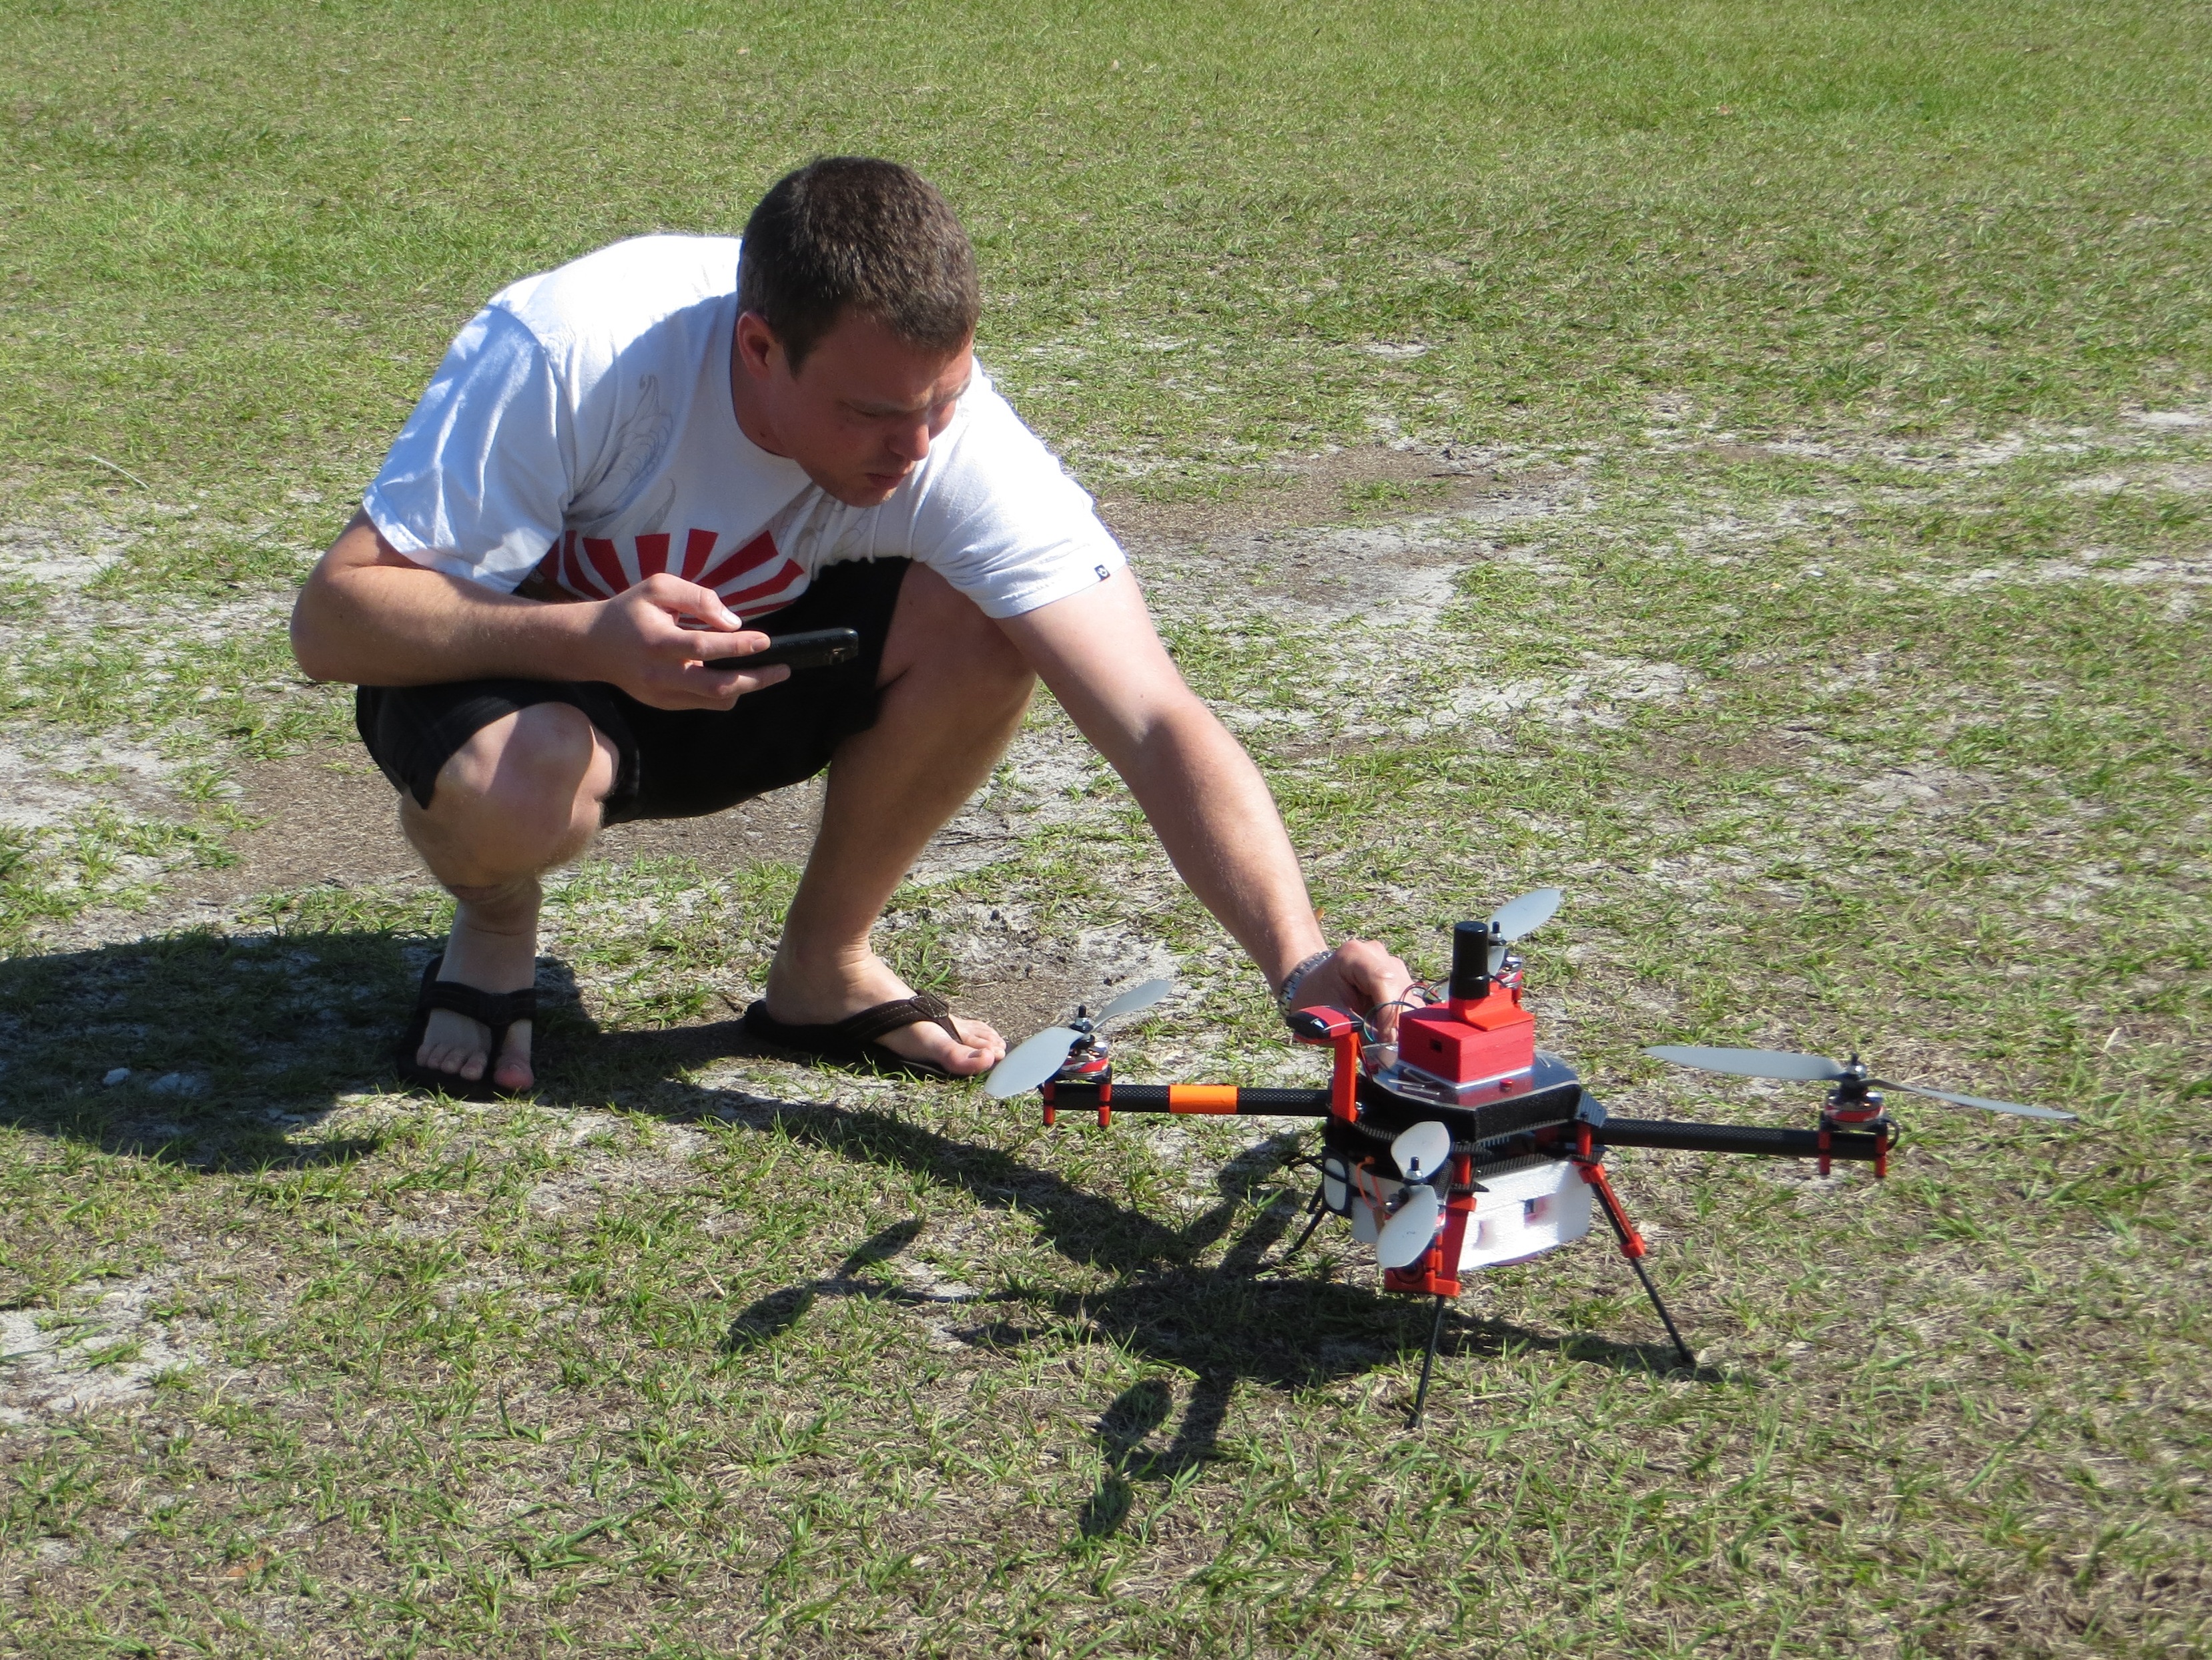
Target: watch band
(1291, 980)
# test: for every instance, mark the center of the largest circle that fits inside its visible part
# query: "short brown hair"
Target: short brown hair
(850, 230)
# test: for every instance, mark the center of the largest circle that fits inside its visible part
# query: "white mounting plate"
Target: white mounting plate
(1524, 1213)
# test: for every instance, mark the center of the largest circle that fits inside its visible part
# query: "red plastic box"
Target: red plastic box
(1473, 1044)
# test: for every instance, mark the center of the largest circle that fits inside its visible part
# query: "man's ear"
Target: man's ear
(759, 352)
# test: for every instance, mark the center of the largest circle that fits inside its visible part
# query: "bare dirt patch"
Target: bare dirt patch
(47, 780)
(104, 1345)
(310, 819)
(328, 818)
(1320, 491)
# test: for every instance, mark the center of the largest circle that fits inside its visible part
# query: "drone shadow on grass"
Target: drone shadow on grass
(1226, 1323)
(237, 1047)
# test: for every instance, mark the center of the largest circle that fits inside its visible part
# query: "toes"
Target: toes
(454, 1063)
(514, 1071)
(442, 1057)
(453, 1046)
(926, 1041)
(461, 1048)
(982, 1040)
(966, 1060)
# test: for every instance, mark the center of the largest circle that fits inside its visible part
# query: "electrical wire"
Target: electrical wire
(1428, 999)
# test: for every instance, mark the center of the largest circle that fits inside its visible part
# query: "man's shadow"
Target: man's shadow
(210, 1050)
(226, 1051)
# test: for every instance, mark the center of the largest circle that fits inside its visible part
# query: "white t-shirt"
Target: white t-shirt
(580, 427)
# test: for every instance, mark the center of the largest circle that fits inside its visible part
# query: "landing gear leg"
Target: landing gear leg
(1428, 1361)
(1665, 1318)
(1633, 1248)
(1314, 1211)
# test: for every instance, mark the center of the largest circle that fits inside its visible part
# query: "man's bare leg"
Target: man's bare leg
(520, 797)
(523, 796)
(954, 690)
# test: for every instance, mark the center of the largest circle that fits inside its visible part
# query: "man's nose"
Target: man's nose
(909, 441)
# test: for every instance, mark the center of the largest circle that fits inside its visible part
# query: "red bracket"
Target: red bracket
(1631, 1243)
(1323, 1024)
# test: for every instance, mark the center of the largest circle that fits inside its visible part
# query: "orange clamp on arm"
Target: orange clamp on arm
(1322, 1025)
(1211, 1098)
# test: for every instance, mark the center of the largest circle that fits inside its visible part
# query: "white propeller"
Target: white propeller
(1142, 996)
(1031, 1062)
(2017, 1109)
(1411, 1226)
(1366, 1220)
(1398, 1235)
(1421, 1151)
(1035, 1059)
(1517, 917)
(1753, 1063)
(1819, 1069)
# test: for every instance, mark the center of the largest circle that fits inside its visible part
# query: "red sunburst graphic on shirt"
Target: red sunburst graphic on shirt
(751, 578)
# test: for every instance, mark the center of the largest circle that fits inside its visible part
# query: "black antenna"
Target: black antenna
(1470, 970)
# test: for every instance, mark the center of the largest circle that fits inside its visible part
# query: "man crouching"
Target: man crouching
(666, 454)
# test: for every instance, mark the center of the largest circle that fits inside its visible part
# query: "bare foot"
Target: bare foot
(492, 955)
(800, 996)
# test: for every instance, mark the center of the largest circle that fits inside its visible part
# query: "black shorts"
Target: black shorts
(675, 763)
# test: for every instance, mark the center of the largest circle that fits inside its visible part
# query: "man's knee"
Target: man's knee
(533, 765)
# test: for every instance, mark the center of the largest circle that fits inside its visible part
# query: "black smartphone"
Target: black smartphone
(816, 648)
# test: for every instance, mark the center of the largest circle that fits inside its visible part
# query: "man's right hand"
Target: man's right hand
(652, 641)
(370, 616)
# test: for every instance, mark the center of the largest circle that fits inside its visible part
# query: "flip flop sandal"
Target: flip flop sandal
(497, 1010)
(851, 1043)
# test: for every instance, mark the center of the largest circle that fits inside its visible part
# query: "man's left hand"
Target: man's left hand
(1360, 976)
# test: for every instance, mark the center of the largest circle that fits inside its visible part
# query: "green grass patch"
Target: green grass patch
(1784, 562)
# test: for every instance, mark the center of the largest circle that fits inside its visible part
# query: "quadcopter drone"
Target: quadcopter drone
(1462, 1146)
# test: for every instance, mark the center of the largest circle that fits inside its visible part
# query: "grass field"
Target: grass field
(1750, 466)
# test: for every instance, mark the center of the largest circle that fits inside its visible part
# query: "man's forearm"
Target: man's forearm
(375, 625)
(369, 616)
(1099, 652)
(1214, 814)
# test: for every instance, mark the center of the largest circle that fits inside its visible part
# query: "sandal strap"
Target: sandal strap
(497, 1010)
(871, 1024)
